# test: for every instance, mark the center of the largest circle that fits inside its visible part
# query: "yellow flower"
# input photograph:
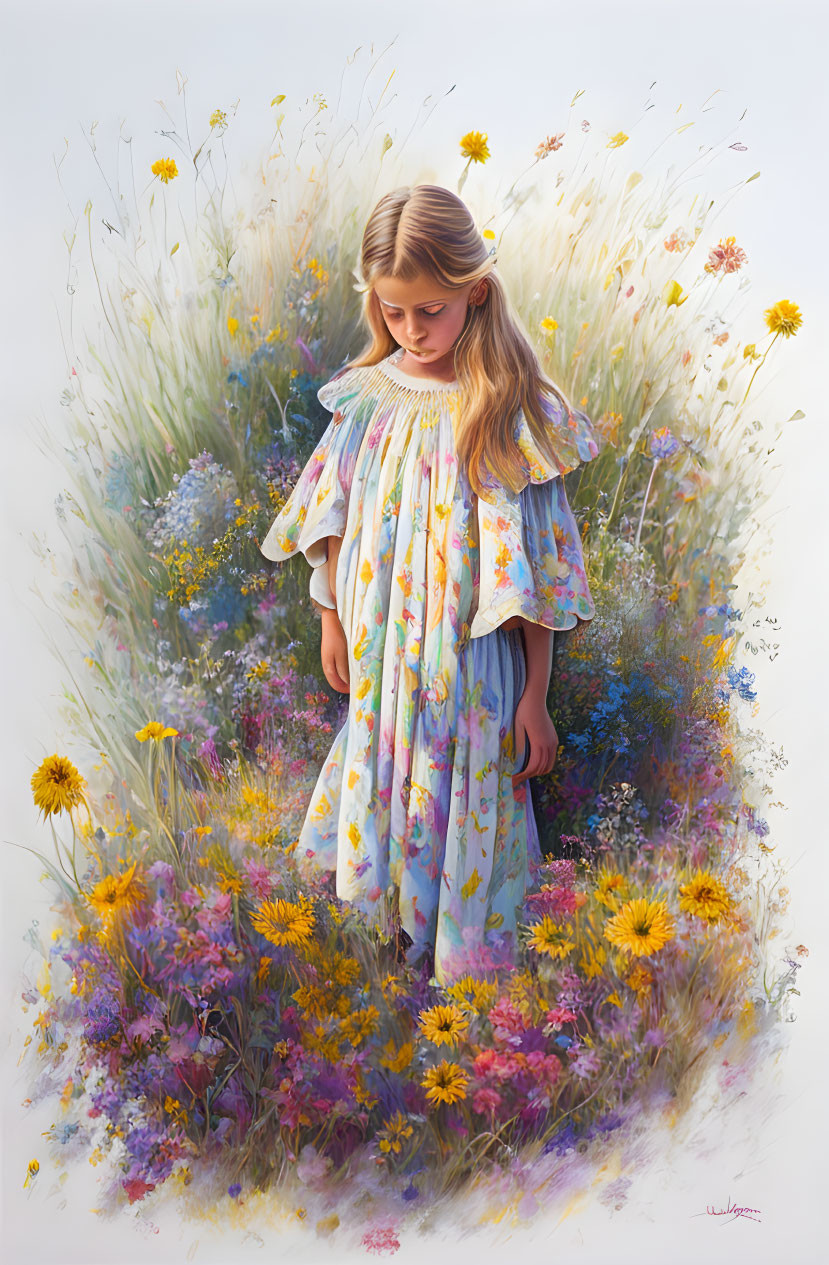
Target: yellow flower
(616, 140)
(473, 994)
(117, 895)
(359, 1025)
(705, 896)
(548, 937)
(232, 324)
(443, 1024)
(548, 324)
(611, 889)
(593, 960)
(218, 119)
(57, 785)
(784, 318)
(641, 926)
(639, 979)
(395, 1132)
(165, 169)
(397, 1060)
(153, 729)
(671, 294)
(31, 1172)
(474, 146)
(445, 1083)
(282, 922)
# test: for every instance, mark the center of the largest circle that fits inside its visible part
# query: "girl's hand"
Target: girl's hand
(533, 724)
(334, 652)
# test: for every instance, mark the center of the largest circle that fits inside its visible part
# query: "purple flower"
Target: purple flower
(235, 1190)
(662, 443)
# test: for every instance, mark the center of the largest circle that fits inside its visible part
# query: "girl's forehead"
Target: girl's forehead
(393, 292)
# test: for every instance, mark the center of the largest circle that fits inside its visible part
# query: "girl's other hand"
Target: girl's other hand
(533, 724)
(334, 652)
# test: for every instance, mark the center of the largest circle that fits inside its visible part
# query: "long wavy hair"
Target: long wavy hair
(428, 230)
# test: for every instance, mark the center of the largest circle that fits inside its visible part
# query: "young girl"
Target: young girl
(445, 554)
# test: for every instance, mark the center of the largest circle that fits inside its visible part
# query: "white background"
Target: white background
(516, 67)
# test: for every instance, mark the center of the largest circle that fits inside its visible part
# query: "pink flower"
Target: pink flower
(559, 1015)
(727, 256)
(544, 1067)
(486, 1101)
(259, 878)
(507, 1022)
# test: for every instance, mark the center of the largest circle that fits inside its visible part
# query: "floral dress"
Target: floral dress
(414, 806)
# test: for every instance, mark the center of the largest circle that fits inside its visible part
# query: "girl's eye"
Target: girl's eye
(395, 316)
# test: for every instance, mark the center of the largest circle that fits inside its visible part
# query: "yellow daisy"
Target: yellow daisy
(283, 923)
(474, 146)
(443, 1024)
(705, 896)
(548, 937)
(641, 926)
(395, 1132)
(154, 729)
(57, 785)
(473, 994)
(117, 895)
(784, 318)
(165, 169)
(445, 1083)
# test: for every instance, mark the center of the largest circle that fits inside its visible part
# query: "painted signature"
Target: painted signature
(733, 1210)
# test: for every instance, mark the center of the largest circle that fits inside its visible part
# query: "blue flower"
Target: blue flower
(741, 680)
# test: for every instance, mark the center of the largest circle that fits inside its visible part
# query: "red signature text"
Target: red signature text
(732, 1211)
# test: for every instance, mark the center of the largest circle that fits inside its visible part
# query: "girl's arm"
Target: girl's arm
(532, 724)
(334, 647)
(334, 546)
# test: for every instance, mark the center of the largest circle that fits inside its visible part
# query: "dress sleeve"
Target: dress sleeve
(529, 547)
(318, 505)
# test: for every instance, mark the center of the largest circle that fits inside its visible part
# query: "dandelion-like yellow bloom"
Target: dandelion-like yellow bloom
(705, 896)
(284, 923)
(117, 895)
(31, 1172)
(473, 994)
(548, 325)
(444, 1025)
(784, 318)
(165, 169)
(57, 785)
(617, 139)
(395, 1132)
(218, 118)
(548, 937)
(155, 730)
(474, 146)
(611, 889)
(445, 1083)
(641, 926)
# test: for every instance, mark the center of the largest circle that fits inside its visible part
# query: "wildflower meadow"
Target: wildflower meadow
(211, 1023)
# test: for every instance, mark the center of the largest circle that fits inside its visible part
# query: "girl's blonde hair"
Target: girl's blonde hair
(428, 230)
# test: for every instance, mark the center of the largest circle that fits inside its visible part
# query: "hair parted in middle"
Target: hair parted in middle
(426, 230)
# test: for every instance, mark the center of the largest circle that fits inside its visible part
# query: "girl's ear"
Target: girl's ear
(479, 294)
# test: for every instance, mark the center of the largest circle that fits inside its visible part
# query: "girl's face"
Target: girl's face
(426, 320)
